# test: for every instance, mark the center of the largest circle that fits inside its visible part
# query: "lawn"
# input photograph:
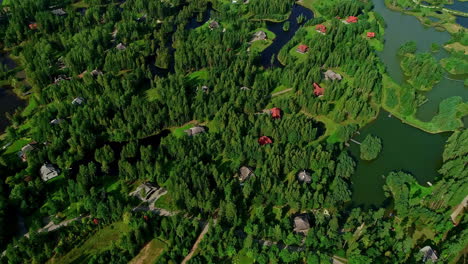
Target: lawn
(197, 77)
(260, 45)
(166, 202)
(150, 252)
(98, 242)
(242, 259)
(179, 132)
(17, 145)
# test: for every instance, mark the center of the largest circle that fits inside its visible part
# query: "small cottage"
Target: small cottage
(120, 46)
(59, 12)
(371, 34)
(245, 173)
(302, 49)
(428, 253)
(48, 171)
(352, 19)
(24, 150)
(195, 130)
(213, 24)
(318, 91)
(245, 88)
(260, 35)
(95, 73)
(301, 224)
(56, 121)
(144, 191)
(275, 113)
(321, 29)
(78, 101)
(264, 140)
(331, 75)
(304, 177)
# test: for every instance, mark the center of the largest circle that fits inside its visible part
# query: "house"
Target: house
(302, 49)
(78, 101)
(61, 78)
(260, 35)
(204, 89)
(59, 12)
(195, 130)
(371, 34)
(245, 173)
(33, 26)
(264, 140)
(352, 19)
(48, 171)
(321, 29)
(304, 177)
(120, 46)
(245, 88)
(428, 253)
(318, 91)
(213, 24)
(144, 191)
(24, 150)
(275, 113)
(301, 223)
(331, 75)
(56, 121)
(95, 73)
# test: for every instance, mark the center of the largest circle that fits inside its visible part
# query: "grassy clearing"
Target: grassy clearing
(456, 47)
(17, 145)
(80, 4)
(179, 132)
(166, 202)
(150, 252)
(98, 242)
(242, 259)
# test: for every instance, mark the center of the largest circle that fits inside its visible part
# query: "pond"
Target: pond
(404, 147)
(8, 100)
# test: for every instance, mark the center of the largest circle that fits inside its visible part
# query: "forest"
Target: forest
(114, 87)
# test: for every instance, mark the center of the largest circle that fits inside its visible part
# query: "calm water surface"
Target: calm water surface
(8, 100)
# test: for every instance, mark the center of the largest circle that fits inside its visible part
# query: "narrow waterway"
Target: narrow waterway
(282, 37)
(404, 148)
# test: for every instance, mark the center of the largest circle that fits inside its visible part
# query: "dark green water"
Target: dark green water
(404, 147)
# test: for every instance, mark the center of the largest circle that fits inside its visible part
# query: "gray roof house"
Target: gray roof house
(120, 46)
(245, 173)
(304, 176)
(78, 101)
(428, 254)
(331, 75)
(260, 35)
(213, 24)
(48, 171)
(56, 121)
(96, 73)
(301, 223)
(195, 130)
(59, 12)
(24, 151)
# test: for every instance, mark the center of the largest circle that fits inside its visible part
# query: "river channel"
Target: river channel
(404, 147)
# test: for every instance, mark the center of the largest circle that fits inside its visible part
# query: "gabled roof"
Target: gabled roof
(318, 91)
(245, 173)
(370, 34)
(352, 19)
(264, 140)
(33, 26)
(275, 113)
(304, 176)
(429, 253)
(331, 75)
(302, 48)
(213, 24)
(59, 12)
(48, 171)
(78, 100)
(121, 46)
(195, 130)
(301, 223)
(321, 28)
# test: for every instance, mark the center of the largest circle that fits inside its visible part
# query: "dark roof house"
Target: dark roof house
(301, 223)
(24, 150)
(304, 177)
(260, 35)
(195, 130)
(48, 171)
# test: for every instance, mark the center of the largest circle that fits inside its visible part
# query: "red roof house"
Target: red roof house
(275, 113)
(264, 140)
(321, 28)
(318, 91)
(33, 26)
(95, 221)
(370, 34)
(352, 19)
(302, 48)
